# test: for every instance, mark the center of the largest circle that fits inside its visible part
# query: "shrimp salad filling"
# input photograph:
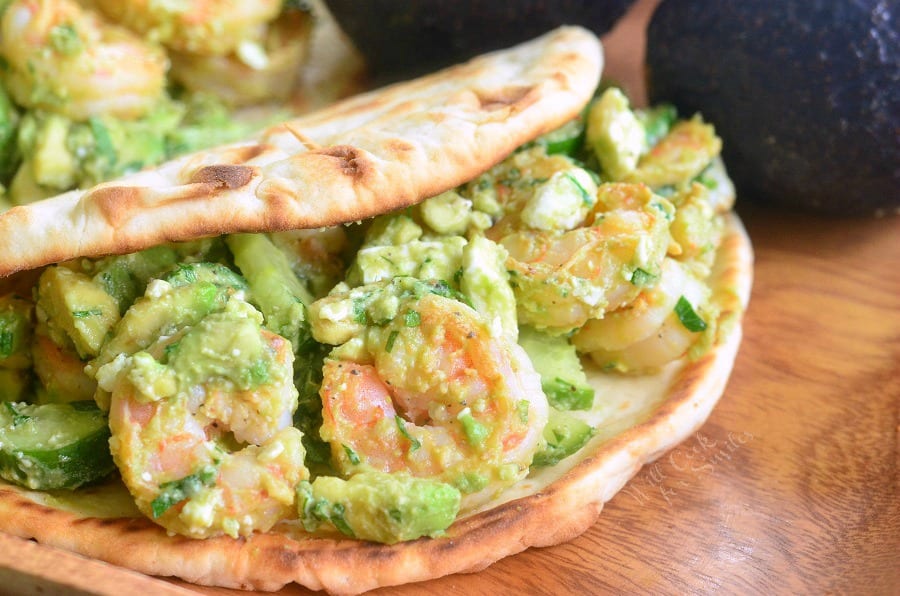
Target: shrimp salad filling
(382, 378)
(94, 90)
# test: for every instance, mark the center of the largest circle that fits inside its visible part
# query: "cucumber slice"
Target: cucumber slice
(52, 446)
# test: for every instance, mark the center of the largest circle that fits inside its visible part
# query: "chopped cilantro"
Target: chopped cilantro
(642, 278)
(6, 343)
(176, 491)
(18, 417)
(392, 337)
(64, 40)
(475, 431)
(585, 195)
(83, 314)
(412, 318)
(401, 424)
(351, 455)
(688, 317)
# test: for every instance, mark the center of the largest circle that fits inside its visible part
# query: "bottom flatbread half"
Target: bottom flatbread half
(638, 418)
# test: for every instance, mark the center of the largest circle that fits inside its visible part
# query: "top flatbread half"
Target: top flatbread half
(355, 159)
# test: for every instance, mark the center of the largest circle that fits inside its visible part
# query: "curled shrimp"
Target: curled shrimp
(566, 275)
(255, 72)
(209, 27)
(65, 58)
(432, 393)
(651, 331)
(206, 451)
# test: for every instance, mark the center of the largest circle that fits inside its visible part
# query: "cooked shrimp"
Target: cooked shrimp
(564, 277)
(210, 27)
(649, 332)
(433, 393)
(67, 59)
(60, 371)
(680, 156)
(207, 449)
(266, 71)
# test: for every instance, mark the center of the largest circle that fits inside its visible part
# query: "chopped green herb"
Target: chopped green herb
(351, 455)
(83, 314)
(103, 145)
(688, 317)
(64, 40)
(258, 373)
(176, 491)
(475, 431)
(585, 195)
(522, 410)
(401, 424)
(359, 311)
(18, 418)
(337, 518)
(412, 318)
(6, 343)
(642, 278)
(392, 337)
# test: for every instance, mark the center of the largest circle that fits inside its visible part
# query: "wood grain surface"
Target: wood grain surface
(792, 485)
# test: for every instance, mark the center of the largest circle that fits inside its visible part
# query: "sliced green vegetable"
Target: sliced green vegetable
(54, 446)
(688, 316)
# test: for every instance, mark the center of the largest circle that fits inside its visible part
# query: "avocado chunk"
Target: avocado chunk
(615, 134)
(162, 310)
(564, 435)
(76, 308)
(378, 506)
(53, 446)
(125, 277)
(805, 95)
(562, 377)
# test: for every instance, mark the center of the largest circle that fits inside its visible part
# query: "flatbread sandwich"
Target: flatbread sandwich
(405, 336)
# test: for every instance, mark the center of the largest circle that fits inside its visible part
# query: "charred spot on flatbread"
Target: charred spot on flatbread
(224, 176)
(511, 95)
(350, 161)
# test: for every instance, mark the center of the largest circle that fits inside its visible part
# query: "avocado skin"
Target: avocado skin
(805, 94)
(403, 39)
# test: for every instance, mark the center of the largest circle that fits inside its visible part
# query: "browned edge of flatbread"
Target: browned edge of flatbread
(556, 514)
(358, 158)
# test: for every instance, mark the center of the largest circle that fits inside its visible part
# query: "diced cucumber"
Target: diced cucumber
(53, 446)
(15, 331)
(274, 287)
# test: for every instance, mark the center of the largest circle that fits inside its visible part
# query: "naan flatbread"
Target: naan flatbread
(368, 155)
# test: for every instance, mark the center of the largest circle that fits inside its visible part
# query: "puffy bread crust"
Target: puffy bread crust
(361, 157)
(543, 516)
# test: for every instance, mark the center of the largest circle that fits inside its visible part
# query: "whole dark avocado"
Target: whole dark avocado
(805, 94)
(413, 37)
